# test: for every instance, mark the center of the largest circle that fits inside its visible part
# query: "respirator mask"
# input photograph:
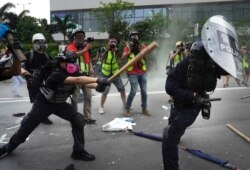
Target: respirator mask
(72, 68)
(40, 45)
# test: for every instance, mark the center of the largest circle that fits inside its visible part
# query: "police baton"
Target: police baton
(210, 100)
(137, 58)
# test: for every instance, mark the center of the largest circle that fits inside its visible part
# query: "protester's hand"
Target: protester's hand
(198, 100)
(4, 29)
(100, 88)
(201, 100)
(102, 81)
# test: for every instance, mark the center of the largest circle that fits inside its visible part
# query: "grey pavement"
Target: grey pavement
(49, 147)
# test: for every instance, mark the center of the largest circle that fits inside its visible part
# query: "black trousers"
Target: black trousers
(39, 112)
(179, 120)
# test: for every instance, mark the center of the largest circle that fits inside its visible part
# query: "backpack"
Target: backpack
(35, 81)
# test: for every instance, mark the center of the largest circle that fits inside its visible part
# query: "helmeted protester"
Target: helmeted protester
(137, 74)
(51, 99)
(36, 58)
(175, 56)
(81, 47)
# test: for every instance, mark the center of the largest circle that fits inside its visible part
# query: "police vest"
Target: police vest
(141, 64)
(110, 65)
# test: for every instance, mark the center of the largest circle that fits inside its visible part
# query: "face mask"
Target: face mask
(40, 46)
(72, 68)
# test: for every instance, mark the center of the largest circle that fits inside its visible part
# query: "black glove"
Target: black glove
(100, 88)
(102, 81)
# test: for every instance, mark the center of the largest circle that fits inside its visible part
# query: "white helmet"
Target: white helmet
(38, 36)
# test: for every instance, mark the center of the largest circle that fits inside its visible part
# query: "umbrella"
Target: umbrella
(148, 136)
(194, 152)
(207, 157)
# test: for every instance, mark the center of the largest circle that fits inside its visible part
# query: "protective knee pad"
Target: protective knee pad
(79, 121)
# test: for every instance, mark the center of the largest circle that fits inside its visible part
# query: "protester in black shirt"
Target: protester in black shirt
(36, 58)
(51, 99)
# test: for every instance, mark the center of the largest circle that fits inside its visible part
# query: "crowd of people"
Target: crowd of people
(188, 82)
(73, 72)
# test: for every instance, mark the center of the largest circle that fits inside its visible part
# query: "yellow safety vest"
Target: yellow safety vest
(142, 62)
(110, 65)
(178, 58)
(244, 61)
(84, 67)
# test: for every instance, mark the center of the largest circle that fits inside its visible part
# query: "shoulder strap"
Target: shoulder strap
(31, 56)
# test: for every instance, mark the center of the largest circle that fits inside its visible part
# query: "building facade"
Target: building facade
(189, 10)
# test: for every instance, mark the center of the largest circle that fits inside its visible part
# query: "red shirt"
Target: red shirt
(72, 47)
(136, 69)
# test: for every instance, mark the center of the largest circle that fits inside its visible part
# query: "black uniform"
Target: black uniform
(195, 74)
(52, 100)
(33, 63)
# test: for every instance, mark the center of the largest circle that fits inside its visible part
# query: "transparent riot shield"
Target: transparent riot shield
(221, 43)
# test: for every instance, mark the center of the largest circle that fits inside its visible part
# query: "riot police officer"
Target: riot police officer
(51, 99)
(187, 84)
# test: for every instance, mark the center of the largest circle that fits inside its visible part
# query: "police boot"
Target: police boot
(47, 121)
(83, 155)
(145, 112)
(3, 151)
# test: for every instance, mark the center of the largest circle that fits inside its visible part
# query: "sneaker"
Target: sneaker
(90, 121)
(83, 156)
(145, 112)
(47, 121)
(127, 112)
(101, 110)
(3, 152)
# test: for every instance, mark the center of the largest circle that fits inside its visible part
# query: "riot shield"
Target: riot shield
(221, 43)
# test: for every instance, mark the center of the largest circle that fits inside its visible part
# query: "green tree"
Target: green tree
(4, 11)
(26, 28)
(63, 25)
(153, 27)
(48, 30)
(111, 16)
(243, 31)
